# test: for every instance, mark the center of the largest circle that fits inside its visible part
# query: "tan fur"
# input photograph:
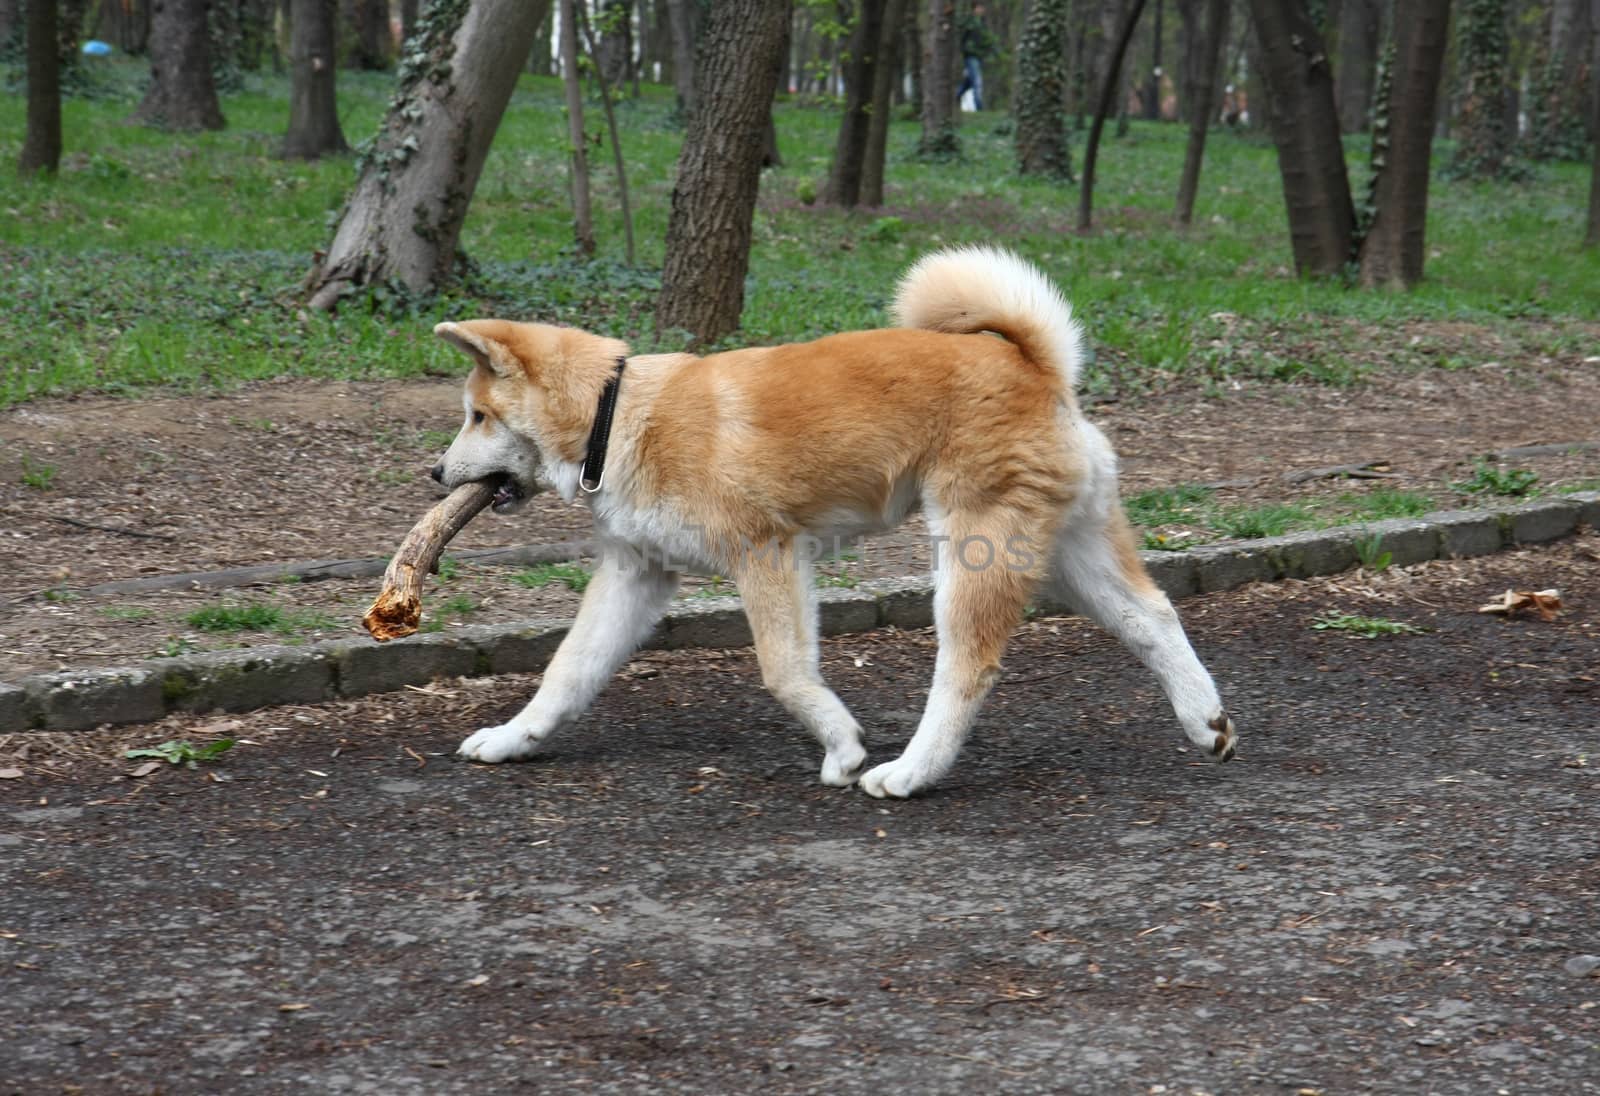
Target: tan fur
(732, 458)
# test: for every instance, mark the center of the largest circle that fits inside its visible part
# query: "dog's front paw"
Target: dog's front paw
(841, 767)
(894, 780)
(496, 744)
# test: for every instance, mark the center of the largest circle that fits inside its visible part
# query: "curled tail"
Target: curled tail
(963, 290)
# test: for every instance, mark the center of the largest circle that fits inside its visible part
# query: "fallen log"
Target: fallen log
(398, 608)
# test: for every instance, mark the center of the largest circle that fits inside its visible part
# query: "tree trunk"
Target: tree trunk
(719, 168)
(1203, 72)
(1556, 122)
(182, 94)
(615, 18)
(1152, 91)
(1041, 130)
(41, 147)
(610, 109)
(1483, 141)
(1359, 25)
(313, 105)
(125, 24)
(1591, 237)
(849, 151)
(685, 19)
(911, 53)
(577, 140)
(939, 140)
(1305, 128)
(11, 26)
(1109, 90)
(408, 19)
(1392, 251)
(369, 49)
(403, 219)
(541, 60)
(885, 79)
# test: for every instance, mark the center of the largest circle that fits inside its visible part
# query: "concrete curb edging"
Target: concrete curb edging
(257, 677)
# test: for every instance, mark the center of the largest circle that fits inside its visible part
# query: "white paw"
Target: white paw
(894, 780)
(840, 769)
(496, 744)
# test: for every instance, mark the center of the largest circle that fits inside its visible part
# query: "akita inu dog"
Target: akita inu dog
(735, 461)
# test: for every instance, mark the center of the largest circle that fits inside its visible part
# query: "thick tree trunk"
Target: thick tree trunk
(684, 16)
(885, 79)
(369, 48)
(11, 24)
(182, 94)
(577, 142)
(1041, 129)
(1203, 72)
(1359, 26)
(1561, 90)
(403, 219)
(861, 65)
(1483, 140)
(1109, 90)
(1392, 252)
(41, 146)
(125, 24)
(719, 168)
(1305, 128)
(939, 140)
(313, 105)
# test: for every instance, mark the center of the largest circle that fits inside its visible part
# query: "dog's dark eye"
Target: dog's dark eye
(477, 417)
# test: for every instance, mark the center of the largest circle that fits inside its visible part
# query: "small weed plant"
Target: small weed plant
(179, 751)
(1364, 627)
(1369, 550)
(1487, 478)
(1272, 520)
(40, 477)
(257, 617)
(570, 575)
(1186, 503)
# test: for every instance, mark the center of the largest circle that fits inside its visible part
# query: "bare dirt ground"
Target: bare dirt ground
(1392, 890)
(97, 490)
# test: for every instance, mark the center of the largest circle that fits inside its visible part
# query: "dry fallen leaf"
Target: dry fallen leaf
(1547, 603)
(10, 774)
(147, 768)
(294, 1006)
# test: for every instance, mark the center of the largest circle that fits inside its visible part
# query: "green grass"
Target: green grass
(127, 612)
(158, 259)
(570, 575)
(1169, 505)
(1364, 627)
(258, 617)
(1272, 520)
(1384, 502)
(40, 477)
(1486, 478)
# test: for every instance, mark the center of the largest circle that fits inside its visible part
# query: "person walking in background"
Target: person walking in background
(977, 43)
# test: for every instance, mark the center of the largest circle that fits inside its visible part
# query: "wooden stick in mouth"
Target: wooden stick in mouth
(398, 608)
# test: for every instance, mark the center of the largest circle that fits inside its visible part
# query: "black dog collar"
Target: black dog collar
(594, 463)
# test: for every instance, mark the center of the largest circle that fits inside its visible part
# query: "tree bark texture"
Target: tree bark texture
(577, 141)
(1109, 87)
(1152, 82)
(615, 20)
(1305, 129)
(860, 69)
(182, 94)
(403, 219)
(939, 140)
(1359, 26)
(11, 24)
(41, 145)
(885, 79)
(408, 18)
(1201, 93)
(313, 104)
(1483, 140)
(1041, 128)
(1562, 86)
(369, 48)
(719, 168)
(125, 24)
(684, 17)
(1392, 251)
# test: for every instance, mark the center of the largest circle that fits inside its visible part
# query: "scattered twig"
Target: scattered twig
(1372, 469)
(110, 528)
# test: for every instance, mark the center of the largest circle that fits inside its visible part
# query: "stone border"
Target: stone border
(258, 677)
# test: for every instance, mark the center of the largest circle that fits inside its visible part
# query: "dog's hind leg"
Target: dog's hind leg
(982, 587)
(624, 599)
(1096, 569)
(776, 587)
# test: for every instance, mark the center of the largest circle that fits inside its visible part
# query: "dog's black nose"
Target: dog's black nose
(437, 472)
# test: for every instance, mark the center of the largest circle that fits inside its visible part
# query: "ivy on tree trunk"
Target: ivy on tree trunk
(1041, 140)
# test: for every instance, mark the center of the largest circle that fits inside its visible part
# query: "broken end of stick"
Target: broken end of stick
(393, 616)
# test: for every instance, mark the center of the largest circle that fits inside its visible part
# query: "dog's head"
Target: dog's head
(529, 404)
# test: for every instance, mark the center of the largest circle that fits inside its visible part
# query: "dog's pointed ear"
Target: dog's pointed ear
(480, 347)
